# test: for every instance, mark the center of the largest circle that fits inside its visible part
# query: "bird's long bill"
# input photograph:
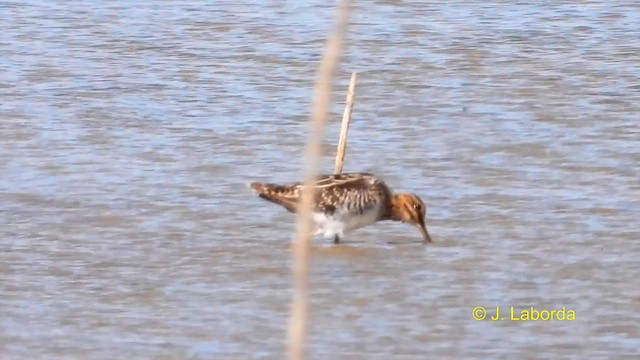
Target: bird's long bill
(423, 230)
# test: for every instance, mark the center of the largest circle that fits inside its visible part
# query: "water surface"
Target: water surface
(129, 131)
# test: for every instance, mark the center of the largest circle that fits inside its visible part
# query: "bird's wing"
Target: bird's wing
(354, 192)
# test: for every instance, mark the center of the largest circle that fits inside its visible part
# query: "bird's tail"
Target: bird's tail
(286, 196)
(257, 188)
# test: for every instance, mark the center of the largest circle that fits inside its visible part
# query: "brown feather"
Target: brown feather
(355, 191)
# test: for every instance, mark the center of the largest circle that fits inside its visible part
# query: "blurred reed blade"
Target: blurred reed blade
(296, 344)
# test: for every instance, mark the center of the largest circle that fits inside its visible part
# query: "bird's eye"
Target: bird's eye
(416, 206)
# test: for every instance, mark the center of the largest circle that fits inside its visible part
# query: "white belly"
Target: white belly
(342, 221)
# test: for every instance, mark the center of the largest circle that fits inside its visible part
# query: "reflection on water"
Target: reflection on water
(129, 131)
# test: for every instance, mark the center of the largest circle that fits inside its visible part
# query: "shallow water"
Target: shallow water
(129, 132)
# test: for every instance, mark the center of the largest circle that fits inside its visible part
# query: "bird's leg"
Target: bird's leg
(336, 239)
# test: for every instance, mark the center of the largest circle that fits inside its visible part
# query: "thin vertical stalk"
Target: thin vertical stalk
(344, 129)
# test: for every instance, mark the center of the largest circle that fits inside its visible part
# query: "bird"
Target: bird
(348, 201)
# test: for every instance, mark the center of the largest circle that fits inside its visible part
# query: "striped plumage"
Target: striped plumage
(345, 202)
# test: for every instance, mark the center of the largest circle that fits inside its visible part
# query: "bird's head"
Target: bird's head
(409, 208)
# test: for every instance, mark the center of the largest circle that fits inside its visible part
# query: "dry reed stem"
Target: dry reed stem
(344, 129)
(296, 344)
